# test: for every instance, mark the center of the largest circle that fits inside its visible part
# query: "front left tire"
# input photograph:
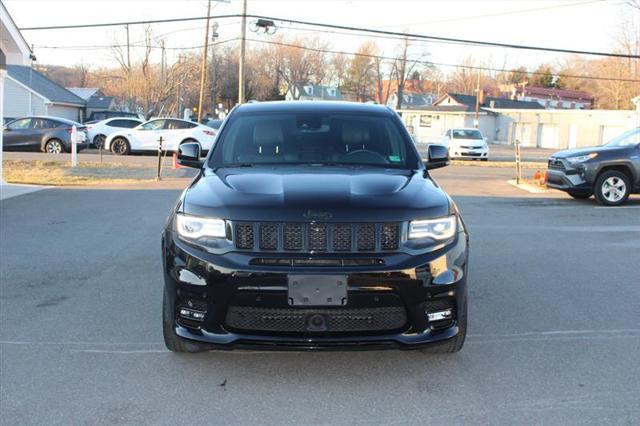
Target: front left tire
(54, 146)
(612, 188)
(120, 146)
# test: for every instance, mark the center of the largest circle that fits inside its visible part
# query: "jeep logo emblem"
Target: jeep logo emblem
(317, 215)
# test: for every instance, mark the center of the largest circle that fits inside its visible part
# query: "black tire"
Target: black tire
(98, 141)
(172, 341)
(54, 146)
(120, 146)
(454, 344)
(484, 159)
(612, 188)
(580, 195)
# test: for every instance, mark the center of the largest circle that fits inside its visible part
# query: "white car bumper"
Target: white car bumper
(469, 152)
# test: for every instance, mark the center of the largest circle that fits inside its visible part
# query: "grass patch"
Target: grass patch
(87, 173)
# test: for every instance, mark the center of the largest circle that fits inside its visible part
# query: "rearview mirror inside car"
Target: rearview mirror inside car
(438, 156)
(189, 155)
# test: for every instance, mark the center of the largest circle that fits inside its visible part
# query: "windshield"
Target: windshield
(631, 137)
(466, 134)
(308, 138)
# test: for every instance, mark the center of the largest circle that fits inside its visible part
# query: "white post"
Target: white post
(2, 74)
(74, 149)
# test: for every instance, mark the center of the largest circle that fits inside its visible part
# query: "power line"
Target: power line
(110, 46)
(473, 67)
(351, 28)
(491, 15)
(449, 39)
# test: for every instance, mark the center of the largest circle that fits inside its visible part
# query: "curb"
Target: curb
(528, 187)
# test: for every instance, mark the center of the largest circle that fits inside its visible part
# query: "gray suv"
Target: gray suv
(46, 134)
(610, 172)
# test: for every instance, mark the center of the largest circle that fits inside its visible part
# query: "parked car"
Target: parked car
(46, 134)
(103, 115)
(610, 172)
(314, 225)
(97, 131)
(466, 143)
(173, 131)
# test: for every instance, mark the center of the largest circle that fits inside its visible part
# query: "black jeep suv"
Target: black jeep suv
(314, 225)
(610, 172)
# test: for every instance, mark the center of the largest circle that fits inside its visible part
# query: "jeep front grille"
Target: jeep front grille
(316, 237)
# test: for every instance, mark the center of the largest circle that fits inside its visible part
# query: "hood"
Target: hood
(585, 150)
(329, 194)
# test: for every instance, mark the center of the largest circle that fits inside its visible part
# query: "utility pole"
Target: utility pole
(203, 67)
(243, 35)
(476, 122)
(129, 69)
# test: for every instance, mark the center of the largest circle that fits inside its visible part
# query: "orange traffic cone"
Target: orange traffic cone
(175, 161)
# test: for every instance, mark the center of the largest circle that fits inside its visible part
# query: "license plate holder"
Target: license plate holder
(317, 290)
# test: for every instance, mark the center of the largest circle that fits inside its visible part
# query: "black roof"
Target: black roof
(41, 84)
(313, 106)
(490, 102)
(98, 102)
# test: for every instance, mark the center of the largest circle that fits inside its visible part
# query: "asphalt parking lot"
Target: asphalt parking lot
(553, 334)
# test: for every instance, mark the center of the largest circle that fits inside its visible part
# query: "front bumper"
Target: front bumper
(212, 283)
(461, 152)
(566, 177)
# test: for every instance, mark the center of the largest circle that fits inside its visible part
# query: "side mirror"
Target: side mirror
(438, 156)
(189, 155)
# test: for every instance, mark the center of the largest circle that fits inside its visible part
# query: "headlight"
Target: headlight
(196, 227)
(582, 158)
(438, 229)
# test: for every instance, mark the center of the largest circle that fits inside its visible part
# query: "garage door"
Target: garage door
(70, 113)
(548, 136)
(523, 134)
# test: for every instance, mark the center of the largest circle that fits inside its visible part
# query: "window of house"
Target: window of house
(425, 120)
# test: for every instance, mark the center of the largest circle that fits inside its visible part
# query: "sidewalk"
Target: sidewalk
(10, 190)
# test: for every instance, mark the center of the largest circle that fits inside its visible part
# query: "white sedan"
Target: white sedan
(173, 131)
(466, 143)
(98, 131)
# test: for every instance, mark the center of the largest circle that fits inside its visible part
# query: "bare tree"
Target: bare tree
(402, 68)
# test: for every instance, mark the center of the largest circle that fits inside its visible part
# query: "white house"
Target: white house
(14, 50)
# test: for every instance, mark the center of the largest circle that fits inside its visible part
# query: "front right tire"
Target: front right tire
(172, 341)
(580, 195)
(612, 188)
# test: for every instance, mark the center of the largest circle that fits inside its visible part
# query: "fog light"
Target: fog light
(192, 314)
(440, 315)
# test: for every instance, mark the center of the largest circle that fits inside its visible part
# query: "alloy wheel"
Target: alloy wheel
(614, 189)
(119, 146)
(54, 147)
(99, 141)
